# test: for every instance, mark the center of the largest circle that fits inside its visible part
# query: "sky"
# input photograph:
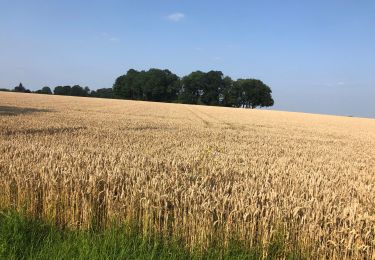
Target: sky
(317, 56)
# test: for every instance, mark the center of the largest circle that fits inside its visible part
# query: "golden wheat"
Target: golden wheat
(193, 172)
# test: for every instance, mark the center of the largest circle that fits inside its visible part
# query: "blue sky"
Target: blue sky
(317, 56)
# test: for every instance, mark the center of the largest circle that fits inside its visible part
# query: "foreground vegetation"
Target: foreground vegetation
(203, 176)
(22, 237)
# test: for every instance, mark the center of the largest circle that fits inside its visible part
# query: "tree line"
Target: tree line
(205, 88)
(75, 90)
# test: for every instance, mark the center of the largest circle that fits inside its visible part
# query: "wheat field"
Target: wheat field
(194, 172)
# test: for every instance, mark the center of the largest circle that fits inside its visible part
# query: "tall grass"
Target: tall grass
(26, 238)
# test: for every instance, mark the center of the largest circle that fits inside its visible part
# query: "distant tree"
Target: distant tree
(67, 90)
(46, 90)
(192, 88)
(4, 89)
(126, 86)
(214, 85)
(62, 90)
(263, 95)
(77, 90)
(102, 93)
(251, 93)
(58, 90)
(151, 85)
(87, 91)
(227, 98)
(160, 85)
(203, 88)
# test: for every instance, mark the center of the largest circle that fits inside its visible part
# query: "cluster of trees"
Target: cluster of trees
(75, 90)
(102, 93)
(21, 88)
(207, 88)
(44, 90)
(152, 85)
(79, 91)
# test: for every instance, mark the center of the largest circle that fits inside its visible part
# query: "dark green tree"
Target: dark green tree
(203, 88)
(151, 85)
(62, 90)
(126, 86)
(58, 90)
(102, 93)
(87, 91)
(67, 90)
(227, 95)
(212, 88)
(161, 85)
(46, 90)
(251, 93)
(192, 87)
(77, 90)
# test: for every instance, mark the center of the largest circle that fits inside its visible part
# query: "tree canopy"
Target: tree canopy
(44, 90)
(151, 85)
(102, 93)
(249, 93)
(206, 88)
(76, 90)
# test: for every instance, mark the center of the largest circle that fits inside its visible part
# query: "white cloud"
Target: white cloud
(176, 17)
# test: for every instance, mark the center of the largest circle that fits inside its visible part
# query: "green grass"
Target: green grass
(24, 238)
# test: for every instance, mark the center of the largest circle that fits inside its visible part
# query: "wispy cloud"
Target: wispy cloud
(109, 37)
(113, 39)
(334, 84)
(176, 17)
